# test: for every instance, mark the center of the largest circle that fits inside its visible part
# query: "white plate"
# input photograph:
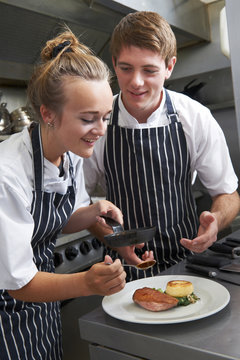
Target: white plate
(213, 298)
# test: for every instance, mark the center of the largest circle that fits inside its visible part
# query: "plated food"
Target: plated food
(213, 298)
(179, 288)
(153, 300)
(177, 293)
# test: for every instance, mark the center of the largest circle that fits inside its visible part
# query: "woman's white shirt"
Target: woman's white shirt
(16, 223)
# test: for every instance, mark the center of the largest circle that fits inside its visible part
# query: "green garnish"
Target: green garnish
(184, 300)
(159, 290)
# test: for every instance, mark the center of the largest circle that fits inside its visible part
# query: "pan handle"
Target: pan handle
(117, 228)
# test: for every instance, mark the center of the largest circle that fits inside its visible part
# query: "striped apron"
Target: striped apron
(148, 177)
(31, 330)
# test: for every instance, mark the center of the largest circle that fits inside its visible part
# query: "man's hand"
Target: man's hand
(207, 233)
(130, 257)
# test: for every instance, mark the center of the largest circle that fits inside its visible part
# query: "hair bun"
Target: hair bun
(60, 47)
(55, 46)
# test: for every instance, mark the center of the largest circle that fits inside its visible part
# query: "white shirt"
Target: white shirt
(16, 222)
(205, 140)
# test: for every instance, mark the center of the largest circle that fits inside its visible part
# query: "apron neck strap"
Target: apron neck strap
(37, 156)
(171, 113)
(114, 120)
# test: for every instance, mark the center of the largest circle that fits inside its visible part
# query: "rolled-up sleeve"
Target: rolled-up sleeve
(213, 162)
(209, 153)
(17, 267)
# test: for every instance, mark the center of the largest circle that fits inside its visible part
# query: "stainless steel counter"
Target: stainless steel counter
(212, 338)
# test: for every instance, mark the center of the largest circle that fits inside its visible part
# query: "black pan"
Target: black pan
(121, 237)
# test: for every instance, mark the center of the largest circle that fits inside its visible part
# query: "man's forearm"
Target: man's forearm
(225, 207)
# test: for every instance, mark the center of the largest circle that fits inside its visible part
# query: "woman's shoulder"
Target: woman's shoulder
(16, 163)
(15, 151)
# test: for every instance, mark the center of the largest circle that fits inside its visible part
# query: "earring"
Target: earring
(50, 124)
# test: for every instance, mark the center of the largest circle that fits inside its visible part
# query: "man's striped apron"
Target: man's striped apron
(148, 177)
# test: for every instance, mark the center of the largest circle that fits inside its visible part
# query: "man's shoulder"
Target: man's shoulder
(184, 101)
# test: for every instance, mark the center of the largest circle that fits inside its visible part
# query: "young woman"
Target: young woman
(42, 192)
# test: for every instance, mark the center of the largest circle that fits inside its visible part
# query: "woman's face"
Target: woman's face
(84, 116)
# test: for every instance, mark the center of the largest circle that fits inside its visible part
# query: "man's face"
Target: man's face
(141, 74)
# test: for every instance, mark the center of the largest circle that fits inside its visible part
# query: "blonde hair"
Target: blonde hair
(62, 57)
(144, 29)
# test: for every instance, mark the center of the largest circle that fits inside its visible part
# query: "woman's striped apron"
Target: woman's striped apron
(33, 330)
(149, 178)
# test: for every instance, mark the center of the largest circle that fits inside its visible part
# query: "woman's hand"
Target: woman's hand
(100, 279)
(88, 216)
(105, 278)
(106, 208)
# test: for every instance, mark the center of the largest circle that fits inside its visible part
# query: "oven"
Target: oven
(74, 253)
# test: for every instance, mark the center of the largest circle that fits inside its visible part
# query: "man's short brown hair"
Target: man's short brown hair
(147, 30)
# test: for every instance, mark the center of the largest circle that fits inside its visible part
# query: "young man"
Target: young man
(156, 141)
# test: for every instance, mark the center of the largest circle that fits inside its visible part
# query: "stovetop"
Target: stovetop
(77, 252)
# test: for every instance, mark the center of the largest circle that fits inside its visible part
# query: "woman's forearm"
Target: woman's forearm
(82, 219)
(46, 287)
(85, 217)
(100, 279)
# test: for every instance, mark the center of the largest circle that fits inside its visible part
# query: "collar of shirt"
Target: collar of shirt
(51, 171)
(156, 119)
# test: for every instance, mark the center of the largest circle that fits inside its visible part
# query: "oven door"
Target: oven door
(74, 253)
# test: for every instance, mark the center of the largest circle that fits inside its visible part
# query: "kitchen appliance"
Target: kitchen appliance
(5, 121)
(20, 118)
(76, 253)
